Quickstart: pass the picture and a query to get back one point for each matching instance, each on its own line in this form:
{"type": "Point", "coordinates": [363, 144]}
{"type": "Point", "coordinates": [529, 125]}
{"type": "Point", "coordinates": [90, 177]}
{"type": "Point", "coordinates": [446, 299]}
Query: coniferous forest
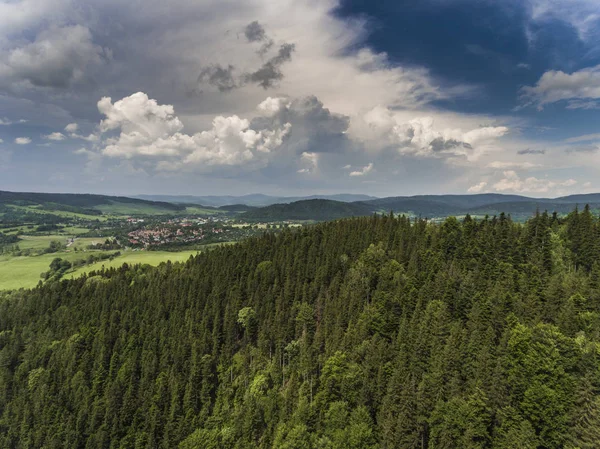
{"type": "Point", "coordinates": [367, 333]}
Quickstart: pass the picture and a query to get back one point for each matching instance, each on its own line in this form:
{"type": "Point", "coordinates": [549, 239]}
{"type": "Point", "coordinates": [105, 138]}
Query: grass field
{"type": "Point", "coordinates": [59, 213]}
{"type": "Point", "coordinates": [17, 272]}
{"type": "Point", "coordinates": [201, 211]}
{"type": "Point", "coordinates": [135, 257]}
{"type": "Point", "coordinates": [24, 272]}
{"type": "Point", "coordinates": [74, 230]}
{"type": "Point", "coordinates": [132, 209]}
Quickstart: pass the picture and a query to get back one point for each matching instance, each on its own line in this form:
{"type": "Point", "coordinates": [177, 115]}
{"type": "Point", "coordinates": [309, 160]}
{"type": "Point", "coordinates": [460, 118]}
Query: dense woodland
{"type": "Point", "coordinates": [365, 333]}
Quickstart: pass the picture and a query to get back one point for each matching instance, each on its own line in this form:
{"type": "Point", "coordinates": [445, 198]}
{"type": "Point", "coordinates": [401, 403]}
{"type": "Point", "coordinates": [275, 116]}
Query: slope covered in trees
{"type": "Point", "coordinates": [317, 209]}
{"type": "Point", "coordinates": [372, 332]}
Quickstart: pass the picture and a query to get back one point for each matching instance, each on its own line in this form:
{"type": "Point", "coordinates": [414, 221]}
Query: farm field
{"type": "Point", "coordinates": [132, 258]}
{"type": "Point", "coordinates": [24, 272]}
{"type": "Point", "coordinates": [59, 213]}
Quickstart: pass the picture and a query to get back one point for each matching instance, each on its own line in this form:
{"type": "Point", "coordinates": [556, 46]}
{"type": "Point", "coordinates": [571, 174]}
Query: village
{"type": "Point", "coordinates": [163, 235]}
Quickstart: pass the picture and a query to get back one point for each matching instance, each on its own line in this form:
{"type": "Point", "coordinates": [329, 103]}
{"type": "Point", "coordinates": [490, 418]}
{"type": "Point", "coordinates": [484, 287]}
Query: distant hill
{"type": "Point", "coordinates": [86, 204]}
{"type": "Point", "coordinates": [258, 207]}
{"type": "Point", "coordinates": [237, 208]}
{"type": "Point", "coordinates": [317, 209]}
{"type": "Point", "coordinates": [453, 201]}
{"type": "Point", "coordinates": [256, 199]}
{"type": "Point", "coordinates": [427, 206]}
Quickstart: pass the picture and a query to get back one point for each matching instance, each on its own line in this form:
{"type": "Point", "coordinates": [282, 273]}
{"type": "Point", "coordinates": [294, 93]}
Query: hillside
{"type": "Point", "coordinates": [84, 204]}
{"type": "Point", "coordinates": [362, 333]}
{"type": "Point", "coordinates": [317, 209]}
{"type": "Point", "coordinates": [455, 202]}
{"type": "Point", "coordinates": [255, 200]}
{"type": "Point", "coordinates": [427, 206]}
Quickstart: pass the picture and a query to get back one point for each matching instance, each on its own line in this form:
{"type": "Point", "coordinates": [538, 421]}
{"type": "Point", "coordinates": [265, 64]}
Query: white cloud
{"type": "Point", "coordinates": [478, 188]}
{"type": "Point", "coordinates": [72, 127]}
{"type": "Point", "coordinates": [147, 129]}
{"type": "Point", "coordinates": [271, 106]}
{"type": "Point", "coordinates": [512, 182]}
{"type": "Point", "coordinates": [583, 104]}
{"type": "Point", "coordinates": [363, 171]}
{"type": "Point", "coordinates": [502, 165]}
{"type": "Point", "coordinates": [556, 85]}
{"type": "Point", "coordinates": [382, 128]}
{"type": "Point", "coordinates": [583, 15]}
{"type": "Point", "coordinates": [22, 140]}
{"type": "Point", "coordinates": [56, 136]}
{"type": "Point", "coordinates": [310, 161]}
{"type": "Point", "coordinates": [584, 138]}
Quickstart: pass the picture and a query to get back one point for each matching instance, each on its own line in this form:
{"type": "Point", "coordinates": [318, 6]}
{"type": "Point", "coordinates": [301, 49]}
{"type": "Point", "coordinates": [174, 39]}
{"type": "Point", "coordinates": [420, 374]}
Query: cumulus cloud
{"type": "Point", "coordinates": [311, 119]}
{"type": "Point", "coordinates": [512, 182]}
{"type": "Point", "coordinates": [56, 136]}
{"type": "Point", "coordinates": [478, 188]}
{"type": "Point", "coordinates": [556, 85]}
{"type": "Point", "coordinates": [59, 57]}
{"type": "Point", "coordinates": [22, 140]}
{"type": "Point", "coordinates": [310, 162]}
{"type": "Point", "coordinates": [71, 127]}
{"type": "Point", "coordinates": [150, 130]}
{"type": "Point", "coordinates": [363, 171]}
{"type": "Point", "coordinates": [420, 136]}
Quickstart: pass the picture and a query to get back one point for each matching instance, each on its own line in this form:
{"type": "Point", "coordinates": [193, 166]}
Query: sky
{"type": "Point", "coordinates": [299, 97]}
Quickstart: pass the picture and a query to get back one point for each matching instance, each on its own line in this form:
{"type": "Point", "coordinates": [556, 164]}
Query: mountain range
{"type": "Point", "coordinates": [258, 207]}
{"type": "Point", "coordinates": [430, 206]}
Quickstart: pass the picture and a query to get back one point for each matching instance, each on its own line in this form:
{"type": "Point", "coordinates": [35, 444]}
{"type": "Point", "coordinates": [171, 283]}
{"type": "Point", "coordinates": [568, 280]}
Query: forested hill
{"type": "Point", "coordinates": [371, 332]}
{"type": "Point", "coordinates": [519, 207]}
{"type": "Point", "coordinates": [317, 209]}
{"type": "Point", "coordinates": [82, 203]}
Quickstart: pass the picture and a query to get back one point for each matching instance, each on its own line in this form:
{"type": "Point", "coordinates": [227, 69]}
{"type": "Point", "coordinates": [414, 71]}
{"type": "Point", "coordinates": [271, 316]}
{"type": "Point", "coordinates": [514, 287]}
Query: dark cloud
{"type": "Point", "coordinates": [270, 72]}
{"type": "Point", "coordinates": [531, 151]}
{"type": "Point", "coordinates": [266, 76]}
{"type": "Point", "coordinates": [220, 77]}
{"type": "Point", "coordinates": [255, 32]}
{"type": "Point", "coordinates": [57, 58]}
{"type": "Point", "coordinates": [439, 144]}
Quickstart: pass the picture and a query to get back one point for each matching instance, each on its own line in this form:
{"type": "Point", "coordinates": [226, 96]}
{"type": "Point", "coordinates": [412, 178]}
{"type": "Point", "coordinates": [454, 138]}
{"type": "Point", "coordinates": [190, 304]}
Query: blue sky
{"type": "Point", "coordinates": [300, 97]}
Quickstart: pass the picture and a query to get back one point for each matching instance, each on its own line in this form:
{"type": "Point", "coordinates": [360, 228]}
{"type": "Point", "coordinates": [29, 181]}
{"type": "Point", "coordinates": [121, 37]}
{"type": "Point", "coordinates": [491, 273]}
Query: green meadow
{"type": "Point", "coordinates": [24, 272]}
{"type": "Point", "coordinates": [133, 258]}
